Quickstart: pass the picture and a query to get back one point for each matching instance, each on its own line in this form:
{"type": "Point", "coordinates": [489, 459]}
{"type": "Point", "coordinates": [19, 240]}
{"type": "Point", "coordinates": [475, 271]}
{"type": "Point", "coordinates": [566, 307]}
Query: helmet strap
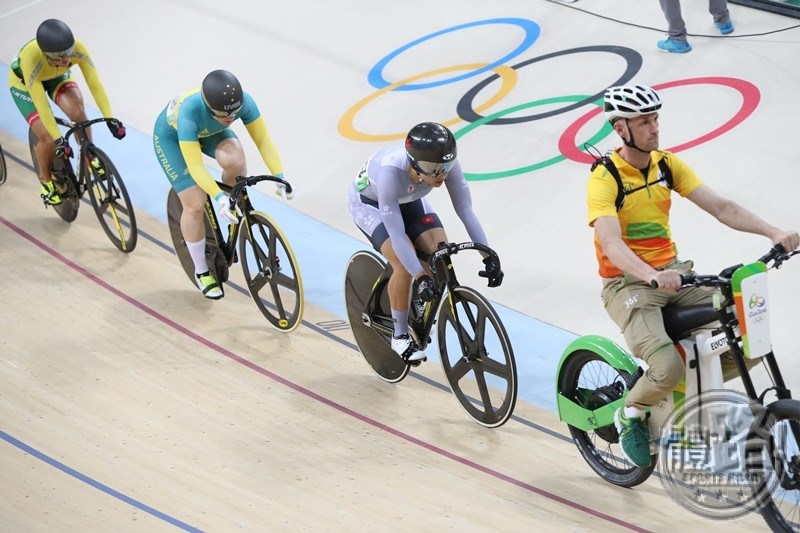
{"type": "Point", "coordinates": [632, 142]}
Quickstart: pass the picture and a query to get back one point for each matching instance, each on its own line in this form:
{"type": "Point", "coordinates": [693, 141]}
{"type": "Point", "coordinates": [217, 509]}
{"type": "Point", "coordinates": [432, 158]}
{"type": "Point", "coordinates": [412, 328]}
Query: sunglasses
{"type": "Point", "coordinates": [60, 56]}
{"type": "Point", "coordinates": [224, 114]}
{"type": "Point", "coordinates": [432, 169]}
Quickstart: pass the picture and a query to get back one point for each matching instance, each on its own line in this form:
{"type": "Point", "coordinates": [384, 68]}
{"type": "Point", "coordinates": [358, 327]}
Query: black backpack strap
{"type": "Point", "coordinates": [666, 172]}
{"type": "Point", "coordinates": [612, 169]}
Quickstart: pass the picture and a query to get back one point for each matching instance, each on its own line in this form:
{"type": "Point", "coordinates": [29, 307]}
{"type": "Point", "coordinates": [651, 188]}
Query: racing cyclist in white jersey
{"type": "Point", "coordinates": [387, 203]}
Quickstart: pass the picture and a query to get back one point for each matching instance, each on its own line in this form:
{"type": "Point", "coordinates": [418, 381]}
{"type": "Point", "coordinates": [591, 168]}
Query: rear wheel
{"type": "Point", "coordinates": [64, 179]}
{"type": "Point", "coordinates": [363, 271]}
{"type": "Point", "coordinates": [271, 271]}
{"type": "Point", "coordinates": [477, 358]}
{"type": "Point", "coordinates": [110, 200]}
{"type": "Point", "coordinates": [216, 259]}
{"type": "Point", "coordinates": [591, 382]}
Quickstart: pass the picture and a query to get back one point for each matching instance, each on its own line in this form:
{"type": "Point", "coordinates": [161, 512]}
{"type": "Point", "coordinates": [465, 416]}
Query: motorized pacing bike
{"type": "Point", "coordinates": [96, 174]}
{"type": "Point", "coordinates": [595, 374]}
{"type": "Point", "coordinates": [474, 348]}
{"type": "Point", "coordinates": [270, 267]}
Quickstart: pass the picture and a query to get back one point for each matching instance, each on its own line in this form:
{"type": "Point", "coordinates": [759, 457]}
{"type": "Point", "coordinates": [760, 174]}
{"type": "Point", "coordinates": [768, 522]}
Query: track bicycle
{"type": "Point", "coordinates": [595, 374]}
{"type": "Point", "coordinates": [96, 174]}
{"type": "Point", "coordinates": [474, 348]}
{"type": "Point", "coordinates": [268, 262]}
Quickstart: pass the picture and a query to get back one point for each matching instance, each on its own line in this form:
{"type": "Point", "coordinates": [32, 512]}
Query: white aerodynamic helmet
{"type": "Point", "coordinates": [630, 101]}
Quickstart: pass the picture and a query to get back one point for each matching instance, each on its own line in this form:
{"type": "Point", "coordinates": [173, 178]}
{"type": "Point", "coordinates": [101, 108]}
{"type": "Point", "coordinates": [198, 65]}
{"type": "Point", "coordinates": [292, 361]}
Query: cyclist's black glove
{"type": "Point", "coordinates": [116, 128]}
{"type": "Point", "coordinates": [492, 271]}
{"type": "Point", "coordinates": [63, 148]}
{"type": "Point", "coordinates": [424, 288]}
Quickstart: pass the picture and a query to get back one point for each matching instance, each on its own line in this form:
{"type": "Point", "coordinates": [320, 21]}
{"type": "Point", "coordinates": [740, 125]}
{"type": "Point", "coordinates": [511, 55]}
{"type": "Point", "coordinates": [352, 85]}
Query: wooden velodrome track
{"type": "Point", "coordinates": [129, 403]}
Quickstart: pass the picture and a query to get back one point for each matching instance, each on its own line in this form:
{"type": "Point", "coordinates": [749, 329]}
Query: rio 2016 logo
{"type": "Point", "coordinates": [757, 301]}
{"type": "Point", "coordinates": [567, 146]}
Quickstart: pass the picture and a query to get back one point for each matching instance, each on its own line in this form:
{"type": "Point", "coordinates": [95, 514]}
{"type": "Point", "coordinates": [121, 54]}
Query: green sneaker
{"type": "Point", "coordinates": [209, 286]}
{"type": "Point", "coordinates": [634, 438]}
{"type": "Point", "coordinates": [49, 193]}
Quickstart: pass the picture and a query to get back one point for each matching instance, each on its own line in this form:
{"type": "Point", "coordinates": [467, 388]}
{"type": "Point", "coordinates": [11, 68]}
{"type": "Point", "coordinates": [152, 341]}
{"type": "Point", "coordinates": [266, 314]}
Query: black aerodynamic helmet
{"type": "Point", "coordinates": [55, 38]}
{"type": "Point", "coordinates": [222, 93]}
{"type": "Point", "coordinates": [431, 149]}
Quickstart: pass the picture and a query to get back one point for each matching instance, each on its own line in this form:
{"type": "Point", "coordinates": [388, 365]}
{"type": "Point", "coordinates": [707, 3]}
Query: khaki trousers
{"type": "Point", "coordinates": [636, 308]}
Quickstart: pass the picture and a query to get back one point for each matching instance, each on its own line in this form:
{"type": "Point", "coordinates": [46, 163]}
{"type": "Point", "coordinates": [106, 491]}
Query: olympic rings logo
{"type": "Point", "coordinates": [568, 145]}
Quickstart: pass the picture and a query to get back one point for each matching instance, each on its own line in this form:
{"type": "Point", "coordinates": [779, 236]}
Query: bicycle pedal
{"type": "Point", "coordinates": [416, 363]}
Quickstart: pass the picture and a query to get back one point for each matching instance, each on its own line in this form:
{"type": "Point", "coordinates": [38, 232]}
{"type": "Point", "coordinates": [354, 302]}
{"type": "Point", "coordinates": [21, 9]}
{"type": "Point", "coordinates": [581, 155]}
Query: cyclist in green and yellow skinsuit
{"type": "Point", "coordinates": [196, 123]}
{"type": "Point", "coordinates": [42, 68]}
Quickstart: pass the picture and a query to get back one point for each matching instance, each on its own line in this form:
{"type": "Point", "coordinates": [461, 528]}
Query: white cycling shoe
{"type": "Point", "coordinates": [407, 349]}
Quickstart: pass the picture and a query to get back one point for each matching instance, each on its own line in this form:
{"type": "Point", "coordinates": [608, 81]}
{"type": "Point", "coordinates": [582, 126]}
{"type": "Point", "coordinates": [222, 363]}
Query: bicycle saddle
{"type": "Point", "coordinates": [679, 321]}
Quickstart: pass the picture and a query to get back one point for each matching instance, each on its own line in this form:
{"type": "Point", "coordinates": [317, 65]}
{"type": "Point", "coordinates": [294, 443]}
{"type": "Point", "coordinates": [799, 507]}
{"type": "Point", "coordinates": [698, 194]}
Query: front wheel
{"type": "Point", "coordinates": [776, 465]}
{"type": "Point", "coordinates": [110, 199]}
{"type": "Point", "coordinates": [590, 381]}
{"type": "Point", "coordinates": [271, 271]}
{"type": "Point", "coordinates": [477, 358]}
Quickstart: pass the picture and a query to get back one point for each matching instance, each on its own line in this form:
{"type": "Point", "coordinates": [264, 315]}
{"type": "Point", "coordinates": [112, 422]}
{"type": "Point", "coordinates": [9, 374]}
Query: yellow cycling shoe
{"type": "Point", "coordinates": [49, 194]}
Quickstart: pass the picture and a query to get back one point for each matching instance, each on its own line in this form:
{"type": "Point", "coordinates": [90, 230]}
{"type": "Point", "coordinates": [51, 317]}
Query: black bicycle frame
{"type": "Point", "coordinates": [445, 278]}
{"type": "Point", "coordinates": [240, 198]}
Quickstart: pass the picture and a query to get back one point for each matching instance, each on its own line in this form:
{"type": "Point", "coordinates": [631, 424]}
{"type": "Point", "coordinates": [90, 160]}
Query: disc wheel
{"type": "Point", "coordinates": [477, 357]}
{"type": "Point", "coordinates": [64, 178]}
{"type": "Point", "coordinates": [271, 271]}
{"type": "Point", "coordinates": [110, 200]}
{"type": "Point", "coordinates": [215, 257]}
{"type": "Point", "coordinates": [590, 381]}
{"type": "Point", "coordinates": [363, 270]}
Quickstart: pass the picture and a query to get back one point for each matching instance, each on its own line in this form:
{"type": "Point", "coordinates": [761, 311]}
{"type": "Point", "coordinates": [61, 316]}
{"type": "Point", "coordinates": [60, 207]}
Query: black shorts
{"type": "Point", "coordinates": [415, 220]}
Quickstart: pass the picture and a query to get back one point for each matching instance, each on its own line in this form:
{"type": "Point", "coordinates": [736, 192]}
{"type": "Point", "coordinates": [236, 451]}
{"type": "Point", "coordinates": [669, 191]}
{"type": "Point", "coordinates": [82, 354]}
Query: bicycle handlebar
{"type": "Point", "coordinates": [449, 248]}
{"type": "Point", "coordinates": [248, 181]}
{"type": "Point", "coordinates": [75, 126]}
{"type": "Point", "coordinates": [776, 254]}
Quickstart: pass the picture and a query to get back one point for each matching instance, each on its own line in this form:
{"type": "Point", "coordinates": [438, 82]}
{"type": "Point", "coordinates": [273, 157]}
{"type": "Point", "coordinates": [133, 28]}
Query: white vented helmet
{"type": "Point", "coordinates": [630, 101]}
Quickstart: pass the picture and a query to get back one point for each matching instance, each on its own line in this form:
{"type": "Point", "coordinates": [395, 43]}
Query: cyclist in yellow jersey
{"type": "Point", "coordinates": [196, 123]}
{"type": "Point", "coordinates": [634, 247]}
{"type": "Point", "coordinates": [42, 68]}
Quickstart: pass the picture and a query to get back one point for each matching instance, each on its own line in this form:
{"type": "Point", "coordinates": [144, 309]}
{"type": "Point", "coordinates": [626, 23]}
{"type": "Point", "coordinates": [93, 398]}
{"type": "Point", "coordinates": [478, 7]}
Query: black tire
{"type": "Point", "coordinates": [216, 259]}
{"type": "Point", "coordinates": [3, 168]}
{"type": "Point", "coordinates": [110, 200]}
{"type": "Point", "coordinates": [591, 381]}
{"type": "Point", "coordinates": [64, 177]}
{"type": "Point", "coordinates": [477, 357]}
{"type": "Point", "coordinates": [779, 488]}
{"type": "Point", "coordinates": [363, 270]}
{"type": "Point", "coordinates": [271, 271]}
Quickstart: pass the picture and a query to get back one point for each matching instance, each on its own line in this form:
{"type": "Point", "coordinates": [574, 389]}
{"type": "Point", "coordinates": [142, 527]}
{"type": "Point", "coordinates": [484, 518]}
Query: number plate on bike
{"type": "Point", "coordinates": [749, 284]}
